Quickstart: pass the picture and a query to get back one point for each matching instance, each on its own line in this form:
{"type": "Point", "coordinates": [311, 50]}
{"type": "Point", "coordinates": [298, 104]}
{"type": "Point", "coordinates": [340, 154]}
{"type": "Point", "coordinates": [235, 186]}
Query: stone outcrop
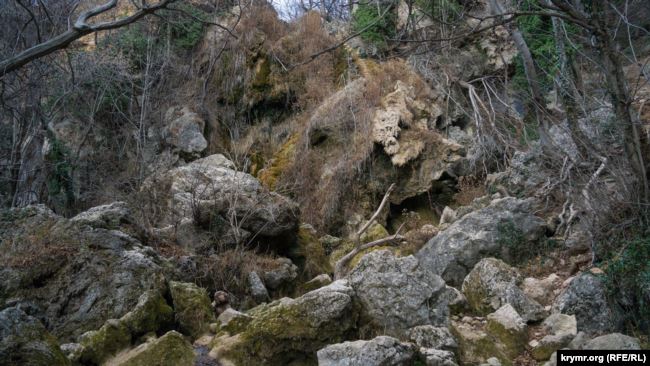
{"type": "Point", "coordinates": [184, 130]}
{"type": "Point", "coordinates": [382, 350]}
{"type": "Point", "coordinates": [454, 251]}
{"type": "Point", "coordinates": [192, 308]}
{"type": "Point", "coordinates": [171, 349]}
{"type": "Point", "coordinates": [398, 293]}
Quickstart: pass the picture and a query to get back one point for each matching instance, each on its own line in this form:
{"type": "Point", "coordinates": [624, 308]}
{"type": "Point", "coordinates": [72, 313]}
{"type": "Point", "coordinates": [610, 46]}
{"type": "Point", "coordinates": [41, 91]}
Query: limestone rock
{"type": "Point", "coordinates": [233, 321]}
{"type": "Point", "coordinates": [316, 282]}
{"type": "Point", "coordinates": [615, 341]}
{"type": "Point", "coordinates": [25, 341]}
{"type": "Point", "coordinates": [108, 216]}
{"type": "Point", "coordinates": [428, 336]}
{"type": "Point", "coordinates": [192, 308]}
{"type": "Point", "coordinates": [436, 357]}
{"type": "Point", "coordinates": [492, 284]}
{"type": "Point", "coordinates": [474, 344]}
{"type": "Point", "coordinates": [381, 350]}
{"type": "Point", "coordinates": [184, 130]}
{"type": "Point", "coordinates": [150, 314]}
{"type": "Point", "coordinates": [509, 329]}
{"type": "Point", "coordinates": [585, 297]}
{"type": "Point", "coordinates": [169, 350]}
{"type": "Point", "coordinates": [541, 290]}
{"type": "Point", "coordinates": [99, 345]}
{"type": "Point", "coordinates": [455, 250]}
{"type": "Point", "coordinates": [257, 289]}
{"type": "Point", "coordinates": [290, 329]}
{"type": "Point", "coordinates": [397, 293]}
{"type": "Point", "coordinates": [285, 273]}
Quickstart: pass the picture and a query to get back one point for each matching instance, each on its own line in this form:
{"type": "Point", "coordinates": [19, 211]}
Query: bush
{"type": "Point", "coordinates": [383, 27]}
{"type": "Point", "coordinates": [628, 281]}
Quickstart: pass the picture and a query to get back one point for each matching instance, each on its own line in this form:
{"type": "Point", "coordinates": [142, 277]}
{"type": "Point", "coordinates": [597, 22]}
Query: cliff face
{"type": "Point", "coordinates": [276, 192]}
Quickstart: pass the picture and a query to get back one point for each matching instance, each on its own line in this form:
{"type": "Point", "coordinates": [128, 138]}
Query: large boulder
{"type": "Point", "coordinates": [396, 293]}
{"type": "Point", "coordinates": [194, 313]}
{"type": "Point", "coordinates": [508, 329]}
{"type": "Point", "coordinates": [290, 330]}
{"type": "Point", "coordinates": [25, 341]}
{"type": "Point", "coordinates": [560, 329]}
{"type": "Point", "coordinates": [383, 350]}
{"type": "Point", "coordinates": [169, 350]}
{"type": "Point", "coordinates": [73, 276]}
{"type": "Point", "coordinates": [454, 251]}
{"type": "Point", "coordinates": [108, 216]}
{"type": "Point", "coordinates": [616, 341]}
{"type": "Point", "coordinates": [492, 283]}
{"type": "Point", "coordinates": [586, 298]}
{"type": "Point", "coordinates": [209, 192]}
{"type": "Point", "coordinates": [184, 130]}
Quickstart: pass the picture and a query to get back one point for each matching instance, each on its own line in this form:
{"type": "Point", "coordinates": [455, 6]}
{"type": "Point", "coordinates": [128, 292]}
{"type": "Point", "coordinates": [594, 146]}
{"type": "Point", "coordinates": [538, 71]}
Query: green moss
{"type": "Point", "coordinates": [150, 314]}
{"type": "Point", "coordinates": [101, 344]}
{"type": "Point", "coordinates": [169, 350]}
{"type": "Point", "coordinates": [280, 162]}
{"type": "Point", "coordinates": [309, 254]}
{"type": "Point", "coordinates": [192, 307]}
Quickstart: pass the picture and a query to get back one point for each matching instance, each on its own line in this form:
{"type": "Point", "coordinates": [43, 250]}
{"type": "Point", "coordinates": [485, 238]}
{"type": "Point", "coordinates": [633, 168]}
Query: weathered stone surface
{"type": "Point", "coordinates": [317, 282]}
{"type": "Point", "coordinates": [454, 251]}
{"type": "Point", "coordinates": [616, 341]}
{"type": "Point", "coordinates": [285, 273]}
{"type": "Point", "coordinates": [397, 293]}
{"type": "Point", "coordinates": [25, 341]}
{"type": "Point", "coordinates": [436, 357]}
{"type": "Point", "coordinates": [184, 130]}
{"type": "Point", "coordinates": [169, 350]}
{"type": "Point", "coordinates": [108, 216]}
{"type": "Point", "coordinates": [233, 321]}
{"type": "Point", "coordinates": [541, 290]}
{"type": "Point", "coordinates": [474, 344]}
{"type": "Point", "coordinates": [257, 289]}
{"type": "Point", "coordinates": [492, 283]}
{"type": "Point", "coordinates": [508, 329]}
{"type": "Point", "coordinates": [150, 314]}
{"type": "Point", "coordinates": [79, 276]}
{"type": "Point", "coordinates": [99, 345]}
{"type": "Point", "coordinates": [211, 189]}
{"type": "Point", "coordinates": [383, 350]}
{"type": "Point", "coordinates": [585, 298]}
{"type": "Point", "coordinates": [428, 336]}
{"type": "Point", "coordinates": [290, 330]}
{"type": "Point", "coordinates": [192, 308]}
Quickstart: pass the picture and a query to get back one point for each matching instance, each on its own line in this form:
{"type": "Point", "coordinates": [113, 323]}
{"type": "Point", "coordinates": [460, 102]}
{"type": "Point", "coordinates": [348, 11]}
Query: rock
{"type": "Point", "coordinates": [492, 361]}
{"type": "Point", "coordinates": [436, 357]}
{"type": "Point", "coordinates": [290, 329]}
{"type": "Point", "coordinates": [106, 216]}
{"type": "Point", "coordinates": [184, 130]}
{"type": "Point", "coordinates": [455, 250]}
{"type": "Point", "coordinates": [316, 282]}
{"type": "Point", "coordinates": [99, 345]}
{"type": "Point", "coordinates": [285, 273]}
{"type": "Point", "coordinates": [192, 307]}
{"type": "Point", "coordinates": [209, 190]}
{"type": "Point", "coordinates": [382, 350]}
{"type": "Point", "coordinates": [397, 293]}
{"type": "Point", "coordinates": [257, 289]}
{"type": "Point", "coordinates": [169, 350]}
{"type": "Point", "coordinates": [150, 314]}
{"type": "Point", "coordinates": [613, 341]}
{"type": "Point", "coordinates": [448, 216]}
{"type": "Point", "coordinates": [428, 336]}
{"type": "Point", "coordinates": [585, 297]}
{"type": "Point", "coordinates": [561, 329]}
{"type": "Point", "coordinates": [232, 321]}
{"type": "Point", "coordinates": [474, 344]}
{"type": "Point", "coordinates": [80, 277]}
{"type": "Point", "coordinates": [541, 290]}
{"type": "Point", "coordinates": [72, 351]}
{"type": "Point", "coordinates": [456, 300]}
{"type": "Point", "coordinates": [492, 284]}
{"type": "Point", "coordinates": [25, 341]}
{"type": "Point", "coordinates": [509, 329]}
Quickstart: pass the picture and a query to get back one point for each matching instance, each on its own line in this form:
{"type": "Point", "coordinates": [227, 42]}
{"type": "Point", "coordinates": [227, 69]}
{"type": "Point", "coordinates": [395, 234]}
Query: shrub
{"type": "Point", "coordinates": [628, 281]}
{"type": "Point", "coordinates": [383, 27]}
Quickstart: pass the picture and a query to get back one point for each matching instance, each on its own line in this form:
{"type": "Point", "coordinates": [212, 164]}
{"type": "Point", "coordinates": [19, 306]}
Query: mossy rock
{"type": "Point", "coordinates": [150, 314]}
{"type": "Point", "coordinates": [192, 308]}
{"type": "Point", "coordinates": [169, 350]}
{"type": "Point", "coordinates": [309, 254]}
{"type": "Point", "coordinates": [475, 346]}
{"type": "Point", "coordinates": [280, 163]}
{"type": "Point", "coordinates": [99, 345]}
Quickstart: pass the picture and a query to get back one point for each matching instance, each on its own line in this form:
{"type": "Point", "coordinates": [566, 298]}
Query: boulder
{"type": "Point", "coordinates": [25, 341]}
{"type": "Point", "coordinates": [509, 330]}
{"type": "Point", "coordinates": [396, 293]}
{"type": "Point", "coordinates": [436, 357]}
{"type": "Point", "coordinates": [541, 290]}
{"type": "Point", "coordinates": [108, 216]}
{"type": "Point", "coordinates": [211, 193]}
{"type": "Point", "coordinates": [290, 330]}
{"type": "Point", "coordinates": [192, 308]}
{"type": "Point", "coordinates": [615, 341]}
{"type": "Point", "coordinates": [169, 350]}
{"type": "Point", "coordinates": [233, 321]}
{"type": "Point", "coordinates": [454, 251]}
{"type": "Point", "coordinates": [428, 336]}
{"type": "Point", "coordinates": [475, 345]}
{"type": "Point", "coordinates": [585, 297]}
{"type": "Point", "coordinates": [74, 276]}
{"type": "Point", "coordinates": [150, 314]}
{"type": "Point", "coordinates": [184, 130]}
{"type": "Point", "coordinates": [257, 289]}
{"type": "Point", "coordinates": [316, 282]}
{"type": "Point", "coordinates": [99, 345]}
{"type": "Point", "coordinates": [285, 273]}
{"type": "Point", "coordinates": [383, 350]}
{"type": "Point", "coordinates": [492, 283]}
{"type": "Point", "coordinates": [560, 329]}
